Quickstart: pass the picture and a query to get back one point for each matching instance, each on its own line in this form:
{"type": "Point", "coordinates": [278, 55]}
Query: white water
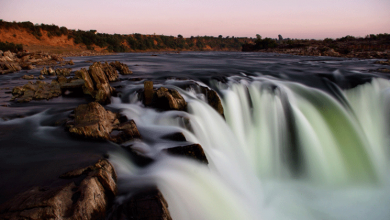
{"type": "Point", "coordinates": [342, 148]}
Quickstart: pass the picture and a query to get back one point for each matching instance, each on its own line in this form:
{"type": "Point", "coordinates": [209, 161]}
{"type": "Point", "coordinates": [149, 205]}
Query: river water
{"type": "Point", "coordinates": [302, 137]}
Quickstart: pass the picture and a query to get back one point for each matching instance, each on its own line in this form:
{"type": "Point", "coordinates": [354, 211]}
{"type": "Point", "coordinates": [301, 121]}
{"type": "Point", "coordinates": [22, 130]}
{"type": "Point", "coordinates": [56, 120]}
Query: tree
{"type": "Point", "coordinates": [179, 36]}
{"type": "Point", "coordinates": [258, 36]}
{"type": "Point", "coordinates": [220, 36]}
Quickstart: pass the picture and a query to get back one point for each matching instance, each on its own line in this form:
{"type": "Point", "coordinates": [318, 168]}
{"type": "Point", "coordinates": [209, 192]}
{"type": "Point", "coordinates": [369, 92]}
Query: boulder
{"type": "Point", "coordinates": [29, 77]}
{"type": "Point", "coordinates": [148, 204]}
{"type": "Point", "coordinates": [169, 99]}
{"type": "Point", "coordinates": [103, 88]}
{"type": "Point", "coordinates": [36, 91]}
{"type": "Point", "coordinates": [214, 101]}
{"type": "Point", "coordinates": [88, 198]}
{"type": "Point", "coordinates": [9, 68]}
{"type": "Point", "coordinates": [121, 67]}
{"type": "Point", "coordinates": [194, 151]}
{"type": "Point", "coordinates": [63, 71]}
{"type": "Point", "coordinates": [93, 121]}
{"type": "Point", "coordinates": [148, 93]}
{"type": "Point", "coordinates": [41, 77]}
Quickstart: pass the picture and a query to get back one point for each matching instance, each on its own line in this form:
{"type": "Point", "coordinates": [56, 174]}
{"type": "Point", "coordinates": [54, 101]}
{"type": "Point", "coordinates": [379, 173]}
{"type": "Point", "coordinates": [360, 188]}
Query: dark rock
{"type": "Point", "coordinates": [148, 205]}
{"type": "Point", "coordinates": [169, 99]}
{"type": "Point", "coordinates": [214, 101]}
{"type": "Point", "coordinates": [178, 136]}
{"type": "Point", "coordinates": [194, 151]}
{"type": "Point", "coordinates": [88, 200]}
{"type": "Point", "coordinates": [121, 67]}
{"type": "Point", "coordinates": [124, 132]}
{"type": "Point", "coordinates": [387, 62]}
{"type": "Point", "coordinates": [41, 77]}
{"type": "Point", "coordinates": [9, 68]}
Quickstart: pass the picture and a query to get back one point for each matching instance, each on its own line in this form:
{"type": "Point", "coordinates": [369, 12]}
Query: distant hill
{"type": "Point", "coordinates": [51, 38]}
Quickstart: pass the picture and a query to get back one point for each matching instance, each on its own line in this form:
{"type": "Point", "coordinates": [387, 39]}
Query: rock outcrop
{"type": "Point", "coordinates": [103, 90]}
{"type": "Point", "coordinates": [94, 121]}
{"type": "Point", "coordinates": [121, 67]}
{"type": "Point", "coordinates": [36, 91]}
{"type": "Point", "coordinates": [194, 151]}
{"type": "Point", "coordinates": [213, 100]}
{"type": "Point", "coordinates": [87, 198]}
{"type": "Point", "coordinates": [149, 204]}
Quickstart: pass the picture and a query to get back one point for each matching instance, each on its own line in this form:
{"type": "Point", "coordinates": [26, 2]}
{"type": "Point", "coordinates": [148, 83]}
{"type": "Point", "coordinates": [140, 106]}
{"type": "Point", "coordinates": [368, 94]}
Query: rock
{"type": "Point", "coordinates": [9, 68]}
{"type": "Point", "coordinates": [93, 121]}
{"type": "Point", "coordinates": [27, 66]}
{"type": "Point", "coordinates": [110, 72]}
{"type": "Point", "coordinates": [169, 99]}
{"type": "Point", "coordinates": [63, 71]}
{"type": "Point", "coordinates": [44, 71]}
{"type": "Point", "coordinates": [9, 54]}
{"type": "Point", "coordinates": [214, 101]}
{"type": "Point", "coordinates": [194, 151]}
{"type": "Point", "coordinates": [41, 77]}
{"type": "Point", "coordinates": [29, 77]}
{"type": "Point", "coordinates": [148, 204]}
{"type": "Point", "coordinates": [1, 53]}
{"type": "Point", "coordinates": [88, 87]}
{"type": "Point", "coordinates": [104, 90]}
{"type": "Point", "coordinates": [121, 67]}
{"type": "Point", "coordinates": [90, 199]}
{"type": "Point", "coordinates": [387, 62]}
{"type": "Point", "coordinates": [148, 93]}
{"type": "Point", "coordinates": [178, 136]}
{"type": "Point", "coordinates": [50, 71]}
{"type": "Point", "coordinates": [124, 132]}
{"type": "Point", "coordinates": [36, 91]}
{"type": "Point", "coordinates": [383, 70]}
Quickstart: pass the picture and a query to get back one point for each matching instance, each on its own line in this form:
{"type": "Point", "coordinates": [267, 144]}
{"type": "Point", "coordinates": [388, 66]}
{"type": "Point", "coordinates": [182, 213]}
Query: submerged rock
{"type": "Point", "coordinates": [29, 77]}
{"type": "Point", "coordinates": [63, 71]}
{"type": "Point", "coordinates": [87, 198]}
{"type": "Point", "coordinates": [194, 151]}
{"type": "Point", "coordinates": [149, 204]}
{"type": "Point", "coordinates": [36, 91]}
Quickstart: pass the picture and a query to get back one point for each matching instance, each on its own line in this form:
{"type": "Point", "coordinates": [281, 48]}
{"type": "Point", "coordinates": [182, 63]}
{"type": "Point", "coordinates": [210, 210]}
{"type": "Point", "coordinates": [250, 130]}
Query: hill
{"type": "Point", "coordinates": [54, 39]}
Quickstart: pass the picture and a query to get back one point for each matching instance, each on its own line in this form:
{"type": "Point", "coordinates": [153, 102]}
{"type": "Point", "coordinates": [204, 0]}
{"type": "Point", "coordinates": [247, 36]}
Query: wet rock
{"type": "Point", "coordinates": [93, 121]}
{"type": "Point", "coordinates": [149, 204]}
{"type": "Point", "coordinates": [194, 151]}
{"type": "Point", "coordinates": [178, 136]}
{"type": "Point", "coordinates": [383, 70]}
{"type": "Point", "coordinates": [29, 77]}
{"type": "Point", "coordinates": [88, 200]}
{"type": "Point", "coordinates": [121, 67]}
{"type": "Point", "coordinates": [41, 77]}
{"type": "Point", "coordinates": [27, 66]}
{"type": "Point", "coordinates": [50, 71]}
{"type": "Point", "coordinates": [169, 99]}
{"type": "Point", "coordinates": [63, 71]}
{"type": "Point", "coordinates": [124, 132]}
{"type": "Point", "coordinates": [214, 101]}
{"type": "Point", "coordinates": [36, 91]}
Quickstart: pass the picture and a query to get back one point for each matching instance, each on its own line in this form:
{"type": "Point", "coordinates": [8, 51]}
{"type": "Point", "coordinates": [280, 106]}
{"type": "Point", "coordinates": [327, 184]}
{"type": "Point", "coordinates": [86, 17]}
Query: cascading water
{"type": "Point", "coordinates": [285, 151]}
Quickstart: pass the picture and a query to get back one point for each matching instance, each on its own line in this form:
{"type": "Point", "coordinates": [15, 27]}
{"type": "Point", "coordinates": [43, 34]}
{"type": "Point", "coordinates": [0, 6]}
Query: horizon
{"type": "Point", "coordinates": [302, 19]}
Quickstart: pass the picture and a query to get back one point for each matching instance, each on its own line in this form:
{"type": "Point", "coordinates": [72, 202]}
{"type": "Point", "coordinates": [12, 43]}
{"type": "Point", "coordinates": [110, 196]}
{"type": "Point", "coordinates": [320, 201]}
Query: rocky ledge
{"type": "Point", "coordinates": [13, 62]}
{"type": "Point", "coordinates": [89, 196]}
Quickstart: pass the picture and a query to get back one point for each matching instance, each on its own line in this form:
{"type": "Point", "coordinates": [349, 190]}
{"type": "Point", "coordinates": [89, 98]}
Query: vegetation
{"type": "Point", "coordinates": [11, 47]}
{"type": "Point", "coordinates": [132, 42]}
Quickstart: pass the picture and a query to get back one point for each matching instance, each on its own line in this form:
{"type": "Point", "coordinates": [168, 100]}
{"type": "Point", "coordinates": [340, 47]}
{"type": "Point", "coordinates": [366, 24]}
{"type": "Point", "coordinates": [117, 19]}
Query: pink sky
{"type": "Point", "coordinates": [240, 18]}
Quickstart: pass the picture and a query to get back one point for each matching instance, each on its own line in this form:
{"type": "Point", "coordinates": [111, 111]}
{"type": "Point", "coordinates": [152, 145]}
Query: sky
{"type": "Point", "coordinates": [304, 19]}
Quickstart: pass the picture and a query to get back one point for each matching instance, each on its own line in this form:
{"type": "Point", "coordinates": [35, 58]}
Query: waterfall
{"type": "Point", "coordinates": [284, 151]}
